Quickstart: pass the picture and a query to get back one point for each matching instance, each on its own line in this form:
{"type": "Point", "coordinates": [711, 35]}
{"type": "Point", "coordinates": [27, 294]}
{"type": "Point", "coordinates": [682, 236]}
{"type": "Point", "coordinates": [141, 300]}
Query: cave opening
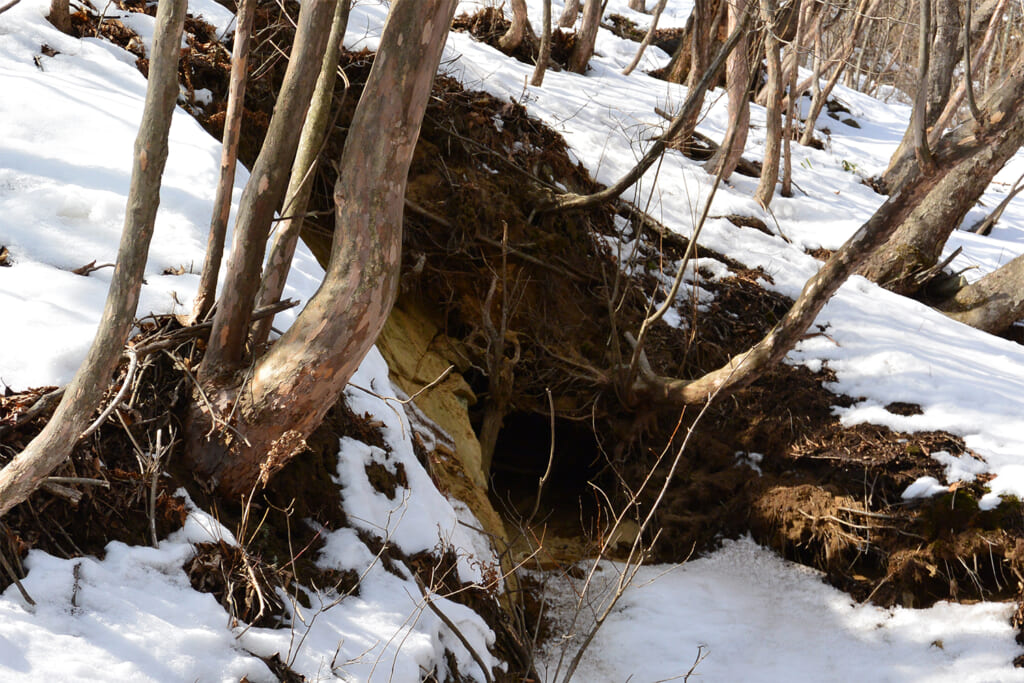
{"type": "Point", "coordinates": [569, 506]}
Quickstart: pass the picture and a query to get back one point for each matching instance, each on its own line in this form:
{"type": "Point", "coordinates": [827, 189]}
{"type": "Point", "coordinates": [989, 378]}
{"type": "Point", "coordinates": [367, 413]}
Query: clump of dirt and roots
{"type": "Point", "coordinates": [537, 306]}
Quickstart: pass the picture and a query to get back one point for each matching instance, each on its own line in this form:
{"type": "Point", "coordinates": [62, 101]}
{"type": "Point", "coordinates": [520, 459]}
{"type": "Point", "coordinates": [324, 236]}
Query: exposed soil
{"type": "Point", "coordinates": [536, 303]}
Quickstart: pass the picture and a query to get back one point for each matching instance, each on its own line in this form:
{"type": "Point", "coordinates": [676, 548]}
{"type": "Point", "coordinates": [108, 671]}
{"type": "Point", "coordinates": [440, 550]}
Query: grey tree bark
{"type": "Point", "coordinates": [773, 126]}
{"type": "Point", "coordinates": [296, 382]}
{"type": "Point", "coordinates": [300, 182]}
{"type": "Point", "coordinates": [207, 291]}
{"type": "Point", "coordinates": [264, 191]}
{"type": "Point", "coordinates": [85, 392]}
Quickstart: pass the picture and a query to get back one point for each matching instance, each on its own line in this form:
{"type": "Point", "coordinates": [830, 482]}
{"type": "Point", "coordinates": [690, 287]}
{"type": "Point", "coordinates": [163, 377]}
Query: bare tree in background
{"type": "Point", "coordinates": [518, 30]}
{"type": "Point", "coordinates": [737, 84]}
{"type": "Point", "coordinates": [586, 37]}
{"type": "Point", "coordinates": [773, 116]}
{"type": "Point", "coordinates": [544, 52]}
{"type": "Point", "coordinates": [570, 11]}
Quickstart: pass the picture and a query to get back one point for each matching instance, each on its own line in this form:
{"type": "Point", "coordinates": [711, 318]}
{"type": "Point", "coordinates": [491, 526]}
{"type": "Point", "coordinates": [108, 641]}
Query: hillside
{"type": "Point", "coordinates": [853, 514]}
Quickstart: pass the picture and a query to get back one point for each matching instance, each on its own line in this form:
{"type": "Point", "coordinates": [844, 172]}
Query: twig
{"type": "Point", "coordinates": [3, 560]}
{"type": "Point", "coordinates": [3, 9]}
{"type": "Point", "coordinates": [90, 267]}
{"type": "Point", "coordinates": [85, 481]}
{"type": "Point", "coordinates": [551, 459]}
{"type": "Point", "coordinates": [71, 495]}
{"type": "Point", "coordinates": [133, 363]}
{"type": "Point", "coordinates": [455, 629]}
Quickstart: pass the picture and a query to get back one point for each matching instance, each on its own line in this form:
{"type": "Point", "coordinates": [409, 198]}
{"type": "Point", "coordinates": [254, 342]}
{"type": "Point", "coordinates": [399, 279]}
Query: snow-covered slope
{"type": "Point", "coordinates": [67, 124]}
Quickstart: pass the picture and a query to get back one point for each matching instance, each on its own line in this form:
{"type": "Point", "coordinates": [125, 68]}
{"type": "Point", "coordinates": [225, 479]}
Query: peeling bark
{"type": "Point", "coordinates": [264, 191]}
{"type": "Point", "coordinates": [300, 183]}
{"type": "Point", "coordinates": [304, 373]}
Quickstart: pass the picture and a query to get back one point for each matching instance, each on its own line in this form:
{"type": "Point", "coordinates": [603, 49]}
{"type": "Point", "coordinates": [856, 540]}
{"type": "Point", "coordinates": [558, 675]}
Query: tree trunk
{"type": "Point", "coordinates": [228, 162]}
{"type": "Point", "coordinates": [737, 84]}
{"type": "Point", "coordinates": [60, 15]}
{"type": "Point", "coordinates": [264, 191]}
{"type": "Point", "coordinates": [305, 371]}
{"type": "Point", "coordinates": [544, 53]}
{"type": "Point", "coordinates": [838, 61]}
{"type": "Point", "coordinates": [51, 447]}
{"type": "Point", "coordinates": [787, 136]}
{"type": "Point", "coordinates": [586, 37]}
{"type": "Point", "coordinates": [743, 369]}
{"type": "Point", "coordinates": [675, 131]}
{"type": "Point", "coordinates": [977, 57]}
{"type": "Point", "coordinates": [694, 51]}
{"type": "Point", "coordinates": [638, 5]}
{"type": "Point", "coordinates": [518, 30]}
{"type": "Point", "coordinates": [648, 37]}
{"type": "Point", "coordinates": [773, 126]}
{"type": "Point", "coordinates": [300, 183]}
{"type": "Point", "coordinates": [917, 244]}
{"type": "Point", "coordinates": [943, 56]}
{"type": "Point", "coordinates": [993, 303]}
{"type": "Point", "coordinates": [569, 13]}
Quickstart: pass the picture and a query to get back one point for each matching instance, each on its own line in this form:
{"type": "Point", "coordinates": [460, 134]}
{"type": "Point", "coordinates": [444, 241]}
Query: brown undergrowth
{"type": "Point", "coordinates": [549, 295]}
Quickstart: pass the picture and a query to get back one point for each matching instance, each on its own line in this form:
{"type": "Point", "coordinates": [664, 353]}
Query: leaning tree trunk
{"type": "Point", "coordinates": [741, 370]}
{"type": "Point", "coordinates": [305, 371]}
{"type": "Point", "coordinates": [917, 244]}
{"type": "Point", "coordinates": [993, 303]}
{"type": "Point", "coordinates": [51, 447]}
{"type": "Point", "coordinates": [586, 37]}
{"type": "Point", "coordinates": [648, 37]}
{"type": "Point", "coordinates": [264, 191]}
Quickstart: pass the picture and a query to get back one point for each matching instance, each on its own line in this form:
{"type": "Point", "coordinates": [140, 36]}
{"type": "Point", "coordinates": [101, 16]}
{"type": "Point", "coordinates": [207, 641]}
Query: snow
{"type": "Point", "coordinates": [755, 617]}
{"type": "Point", "coordinates": [67, 125]}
